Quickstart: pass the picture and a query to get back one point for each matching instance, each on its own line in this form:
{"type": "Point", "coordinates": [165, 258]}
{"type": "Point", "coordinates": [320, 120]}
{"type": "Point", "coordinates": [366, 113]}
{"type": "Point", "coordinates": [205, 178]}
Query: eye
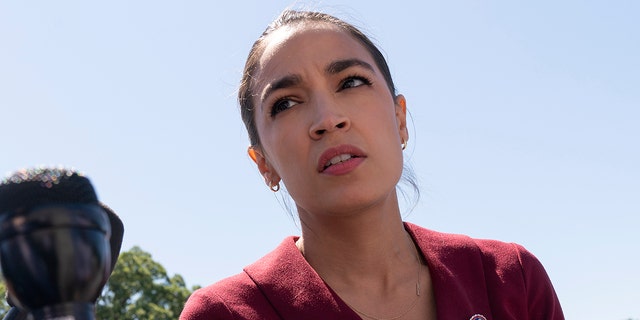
{"type": "Point", "coordinates": [353, 82]}
{"type": "Point", "coordinates": [282, 104]}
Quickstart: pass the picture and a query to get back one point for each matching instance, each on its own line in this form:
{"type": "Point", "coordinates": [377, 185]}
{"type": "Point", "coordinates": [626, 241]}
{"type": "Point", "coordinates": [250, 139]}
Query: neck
{"type": "Point", "coordinates": [350, 250]}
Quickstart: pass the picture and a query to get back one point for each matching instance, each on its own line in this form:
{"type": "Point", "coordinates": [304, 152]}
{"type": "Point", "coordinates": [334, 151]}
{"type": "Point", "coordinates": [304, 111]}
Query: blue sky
{"type": "Point", "coordinates": [525, 126]}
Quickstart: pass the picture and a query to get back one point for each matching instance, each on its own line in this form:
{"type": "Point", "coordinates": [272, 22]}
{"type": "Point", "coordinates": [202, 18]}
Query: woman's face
{"type": "Point", "coordinates": [328, 125]}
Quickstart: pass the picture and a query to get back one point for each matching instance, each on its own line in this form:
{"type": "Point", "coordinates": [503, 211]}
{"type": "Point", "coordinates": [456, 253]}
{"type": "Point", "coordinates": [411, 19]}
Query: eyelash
{"type": "Point", "coordinates": [277, 105]}
{"type": "Point", "coordinates": [365, 81]}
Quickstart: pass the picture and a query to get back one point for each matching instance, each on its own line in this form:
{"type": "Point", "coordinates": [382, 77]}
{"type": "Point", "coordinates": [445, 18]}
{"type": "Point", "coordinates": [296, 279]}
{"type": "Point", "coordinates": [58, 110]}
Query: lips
{"type": "Point", "coordinates": [337, 159]}
{"type": "Point", "coordinates": [340, 159]}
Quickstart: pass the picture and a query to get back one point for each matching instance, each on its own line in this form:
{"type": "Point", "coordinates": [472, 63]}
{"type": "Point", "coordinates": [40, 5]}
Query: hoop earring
{"type": "Point", "coordinates": [404, 144]}
{"type": "Point", "coordinates": [274, 188]}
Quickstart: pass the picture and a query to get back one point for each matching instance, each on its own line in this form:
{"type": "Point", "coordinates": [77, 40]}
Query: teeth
{"type": "Point", "coordinates": [338, 159]}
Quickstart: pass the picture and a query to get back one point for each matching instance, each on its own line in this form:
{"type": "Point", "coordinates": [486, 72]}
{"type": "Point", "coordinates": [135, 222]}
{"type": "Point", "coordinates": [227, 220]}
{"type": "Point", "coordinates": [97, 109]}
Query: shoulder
{"type": "Point", "coordinates": [512, 277]}
{"type": "Point", "coordinates": [218, 301]}
{"type": "Point", "coordinates": [504, 259]}
{"type": "Point", "coordinates": [242, 296]}
{"type": "Point", "coordinates": [236, 297]}
{"type": "Point", "coordinates": [493, 252]}
{"type": "Point", "coordinates": [451, 245]}
{"type": "Point", "coordinates": [519, 275]}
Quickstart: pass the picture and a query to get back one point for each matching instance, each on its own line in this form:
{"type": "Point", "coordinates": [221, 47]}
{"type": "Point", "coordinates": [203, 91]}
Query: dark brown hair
{"type": "Point", "coordinates": [290, 17]}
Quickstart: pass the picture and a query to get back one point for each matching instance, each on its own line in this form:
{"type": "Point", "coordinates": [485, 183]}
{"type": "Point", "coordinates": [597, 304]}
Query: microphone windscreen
{"type": "Point", "coordinates": [29, 188]}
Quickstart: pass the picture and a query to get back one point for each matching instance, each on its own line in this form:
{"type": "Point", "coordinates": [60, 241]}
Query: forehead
{"type": "Point", "coordinates": [292, 48]}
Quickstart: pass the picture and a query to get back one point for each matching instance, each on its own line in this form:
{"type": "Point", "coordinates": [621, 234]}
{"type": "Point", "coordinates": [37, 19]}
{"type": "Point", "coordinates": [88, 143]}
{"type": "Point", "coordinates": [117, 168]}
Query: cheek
{"type": "Point", "coordinates": [285, 144]}
{"type": "Point", "coordinates": [380, 116]}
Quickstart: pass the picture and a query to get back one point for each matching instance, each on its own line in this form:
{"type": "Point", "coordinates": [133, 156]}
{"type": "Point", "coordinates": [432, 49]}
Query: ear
{"type": "Point", "coordinates": [401, 116]}
{"type": "Point", "coordinates": [271, 177]}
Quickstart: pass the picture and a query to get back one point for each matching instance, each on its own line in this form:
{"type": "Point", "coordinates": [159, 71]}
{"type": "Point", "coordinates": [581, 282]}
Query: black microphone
{"type": "Point", "coordinates": [58, 244]}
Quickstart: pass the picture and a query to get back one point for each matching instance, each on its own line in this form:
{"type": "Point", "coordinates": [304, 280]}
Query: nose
{"type": "Point", "coordinates": [329, 118]}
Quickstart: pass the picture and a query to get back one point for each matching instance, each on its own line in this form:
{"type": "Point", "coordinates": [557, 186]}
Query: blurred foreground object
{"type": "Point", "coordinates": [58, 244]}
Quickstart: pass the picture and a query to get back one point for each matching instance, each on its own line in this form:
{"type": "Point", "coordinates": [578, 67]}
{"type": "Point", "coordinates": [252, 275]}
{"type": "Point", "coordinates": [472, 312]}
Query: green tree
{"type": "Point", "coordinates": [4, 306]}
{"type": "Point", "coordinates": [139, 288]}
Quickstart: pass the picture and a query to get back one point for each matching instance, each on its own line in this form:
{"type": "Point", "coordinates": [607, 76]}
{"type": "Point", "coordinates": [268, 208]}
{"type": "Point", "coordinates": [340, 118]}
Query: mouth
{"type": "Point", "coordinates": [339, 157]}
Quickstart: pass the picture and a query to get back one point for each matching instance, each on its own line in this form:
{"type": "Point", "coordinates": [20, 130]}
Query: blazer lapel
{"type": "Point", "coordinates": [457, 274]}
{"type": "Point", "coordinates": [293, 288]}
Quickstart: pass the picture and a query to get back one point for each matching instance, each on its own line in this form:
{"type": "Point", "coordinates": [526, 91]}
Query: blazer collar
{"type": "Point", "coordinates": [294, 288]}
{"type": "Point", "coordinates": [455, 263]}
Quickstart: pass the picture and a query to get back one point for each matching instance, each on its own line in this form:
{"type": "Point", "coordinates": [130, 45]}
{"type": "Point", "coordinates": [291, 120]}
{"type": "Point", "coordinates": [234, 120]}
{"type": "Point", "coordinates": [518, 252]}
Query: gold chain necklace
{"type": "Point", "coordinates": [415, 301]}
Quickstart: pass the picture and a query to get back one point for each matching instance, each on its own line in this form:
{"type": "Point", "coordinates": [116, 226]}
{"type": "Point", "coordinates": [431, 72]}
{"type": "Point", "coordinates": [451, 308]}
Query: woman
{"type": "Point", "coordinates": [324, 119]}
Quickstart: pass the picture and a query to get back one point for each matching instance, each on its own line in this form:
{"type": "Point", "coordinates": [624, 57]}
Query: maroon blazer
{"type": "Point", "coordinates": [498, 280]}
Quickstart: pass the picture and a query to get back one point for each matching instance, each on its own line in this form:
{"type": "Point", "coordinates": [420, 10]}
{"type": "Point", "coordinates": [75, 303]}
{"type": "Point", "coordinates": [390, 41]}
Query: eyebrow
{"type": "Point", "coordinates": [293, 79]}
{"type": "Point", "coordinates": [282, 83]}
{"type": "Point", "coordinates": [341, 65]}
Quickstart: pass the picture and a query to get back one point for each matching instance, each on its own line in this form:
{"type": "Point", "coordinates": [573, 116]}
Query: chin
{"type": "Point", "coordinates": [344, 203]}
